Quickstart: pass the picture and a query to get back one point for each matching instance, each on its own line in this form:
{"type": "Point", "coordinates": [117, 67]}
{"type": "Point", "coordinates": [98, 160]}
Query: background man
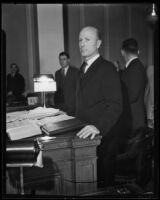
{"type": "Point", "coordinates": [99, 102]}
{"type": "Point", "coordinates": [15, 84]}
{"type": "Point", "coordinates": [134, 78]}
{"type": "Point", "coordinates": [66, 78]}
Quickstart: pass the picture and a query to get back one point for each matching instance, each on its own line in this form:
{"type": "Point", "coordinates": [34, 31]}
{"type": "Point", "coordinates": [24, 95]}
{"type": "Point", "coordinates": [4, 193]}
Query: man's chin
{"type": "Point", "coordinates": [84, 54]}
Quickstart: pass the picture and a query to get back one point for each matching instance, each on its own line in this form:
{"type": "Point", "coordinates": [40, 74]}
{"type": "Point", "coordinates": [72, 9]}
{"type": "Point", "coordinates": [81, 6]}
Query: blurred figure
{"type": "Point", "coordinates": [134, 78]}
{"type": "Point", "coordinates": [118, 66]}
{"type": "Point", "coordinates": [66, 77]}
{"type": "Point", "coordinates": [15, 85]}
{"type": "Point", "coordinates": [149, 96]}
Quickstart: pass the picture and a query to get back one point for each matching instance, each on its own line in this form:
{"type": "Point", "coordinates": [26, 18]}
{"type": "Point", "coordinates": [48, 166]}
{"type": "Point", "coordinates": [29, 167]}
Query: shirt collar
{"type": "Point", "coordinates": [90, 61]}
{"type": "Point", "coordinates": [65, 69]}
{"type": "Point", "coordinates": [127, 64]}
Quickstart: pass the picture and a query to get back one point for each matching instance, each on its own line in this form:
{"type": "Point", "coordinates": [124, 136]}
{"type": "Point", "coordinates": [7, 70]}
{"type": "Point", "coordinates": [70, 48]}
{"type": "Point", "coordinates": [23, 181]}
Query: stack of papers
{"type": "Point", "coordinates": [22, 129]}
{"type": "Point", "coordinates": [41, 112]}
{"type": "Point", "coordinates": [36, 113]}
{"type": "Point", "coordinates": [13, 116]}
{"type": "Point", "coordinates": [25, 124]}
{"type": "Point", "coordinates": [54, 119]}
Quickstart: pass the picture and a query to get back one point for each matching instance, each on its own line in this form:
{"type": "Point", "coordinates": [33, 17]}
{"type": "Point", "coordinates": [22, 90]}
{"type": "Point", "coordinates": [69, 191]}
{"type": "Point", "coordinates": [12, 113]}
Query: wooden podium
{"type": "Point", "coordinates": [70, 167]}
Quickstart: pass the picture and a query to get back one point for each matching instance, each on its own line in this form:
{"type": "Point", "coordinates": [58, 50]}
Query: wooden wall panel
{"type": "Point", "coordinates": [116, 22]}
{"type": "Point", "coordinates": [140, 30]}
{"type": "Point", "coordinates": [118, 30]}
{"type": "Point", "coordinates": [14, 24]}
{"type": "Point", "coordinates": [73, 34]}
{"type": "Point", "coordinates": [94, 16]}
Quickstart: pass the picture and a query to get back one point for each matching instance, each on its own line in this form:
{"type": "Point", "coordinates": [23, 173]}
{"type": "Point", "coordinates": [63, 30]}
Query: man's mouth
{"type": "Point", "coordinates": [83, 50]}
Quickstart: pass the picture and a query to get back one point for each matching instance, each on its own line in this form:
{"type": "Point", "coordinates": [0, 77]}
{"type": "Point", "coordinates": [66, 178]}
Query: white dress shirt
{"type": "Point", "coordinates": [90, 61]}
{"type": "Point", "coordinates": [65, 70]}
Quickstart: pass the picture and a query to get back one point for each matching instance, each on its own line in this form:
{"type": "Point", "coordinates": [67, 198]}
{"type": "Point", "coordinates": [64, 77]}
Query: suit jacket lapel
{"type": "Point", "coordinates": [90, 72]}
{"type": "Point", "coordinates": [68, 72]}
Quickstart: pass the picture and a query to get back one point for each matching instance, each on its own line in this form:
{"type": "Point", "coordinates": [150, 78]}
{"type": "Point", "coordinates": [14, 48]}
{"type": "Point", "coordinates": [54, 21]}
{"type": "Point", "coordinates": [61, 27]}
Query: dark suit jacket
{"type": "Point", "coordinates": [99, 97]}
{"type": "Point", "coordinates": [16, 84]}
{"type": "Point", "coordinates": [134, 77]}
{"type": "Point", "coordinates": [65, 97]}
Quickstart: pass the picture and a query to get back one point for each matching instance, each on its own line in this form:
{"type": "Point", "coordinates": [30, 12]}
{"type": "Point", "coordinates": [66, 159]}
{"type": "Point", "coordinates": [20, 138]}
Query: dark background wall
{"type": "Point", "coordinates": [14, 24]}
{"type": "Point", "coordinates": [116, 23]}
{"type": "Point", "coordinates": [19, 21]}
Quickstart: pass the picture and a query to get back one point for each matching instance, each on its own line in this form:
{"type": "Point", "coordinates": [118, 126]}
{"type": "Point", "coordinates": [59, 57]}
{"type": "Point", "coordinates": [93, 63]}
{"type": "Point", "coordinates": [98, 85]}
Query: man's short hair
{"type": "Point", "coordinates": [64, 54]}
{"type": "Point", "coordinates": [130, 45]}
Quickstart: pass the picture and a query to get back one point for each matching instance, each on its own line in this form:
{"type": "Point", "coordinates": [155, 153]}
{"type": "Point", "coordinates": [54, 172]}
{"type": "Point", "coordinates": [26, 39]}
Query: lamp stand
{"type": "Point", "coordinates": [44, 100]}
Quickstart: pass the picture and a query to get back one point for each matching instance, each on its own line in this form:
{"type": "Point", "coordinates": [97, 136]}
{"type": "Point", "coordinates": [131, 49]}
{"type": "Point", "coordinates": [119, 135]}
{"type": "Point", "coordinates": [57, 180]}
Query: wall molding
{"type": "Point", "coordinates": [32, 40]}
{"type": "Point", "coordinates": [129, 21]}
{"type": "Point", "coordinates": [106, 32]}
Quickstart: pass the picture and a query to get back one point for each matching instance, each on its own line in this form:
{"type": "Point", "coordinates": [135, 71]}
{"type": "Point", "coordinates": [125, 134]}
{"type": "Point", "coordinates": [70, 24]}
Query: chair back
{"type": "Point", "coordinates": [137, 159]}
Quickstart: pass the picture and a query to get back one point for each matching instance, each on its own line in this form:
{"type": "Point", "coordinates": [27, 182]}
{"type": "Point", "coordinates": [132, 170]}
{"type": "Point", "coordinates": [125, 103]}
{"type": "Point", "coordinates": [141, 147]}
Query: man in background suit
{"type": "Point", "coordinates": [66, 78]}
{"type": "Point", "coordinates": [134, 78]}
{"type": "Point", "coordinates": [99, 103]}
{"type": "Point", "coordinates": [15, 85]}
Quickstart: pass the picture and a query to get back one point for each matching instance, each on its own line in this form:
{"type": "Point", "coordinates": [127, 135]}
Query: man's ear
{"type": "Point", "coordinates": [122, 52]}
{"type": "Point", "coordinates": [98, 43]}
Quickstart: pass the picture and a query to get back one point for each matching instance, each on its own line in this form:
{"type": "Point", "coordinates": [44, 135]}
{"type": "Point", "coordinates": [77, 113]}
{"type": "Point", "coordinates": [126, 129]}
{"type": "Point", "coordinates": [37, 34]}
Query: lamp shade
{"type": "Point", "coordinates": [44, 83]}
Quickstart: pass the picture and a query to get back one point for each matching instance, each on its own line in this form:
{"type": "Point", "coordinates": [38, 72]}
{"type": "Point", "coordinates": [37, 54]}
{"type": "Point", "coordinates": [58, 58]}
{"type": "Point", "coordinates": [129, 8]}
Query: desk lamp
{"type": "Point", "coordinates": [44, 83]}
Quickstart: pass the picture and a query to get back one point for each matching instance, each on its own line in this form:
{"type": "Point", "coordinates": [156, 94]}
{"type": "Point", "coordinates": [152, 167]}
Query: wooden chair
{"type": "Point", "coordinates": [135, 164]}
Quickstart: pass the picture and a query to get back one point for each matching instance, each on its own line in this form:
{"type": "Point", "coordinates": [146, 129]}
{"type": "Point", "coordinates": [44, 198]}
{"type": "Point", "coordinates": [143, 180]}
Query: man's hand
{"type": "Point", "coordinates": [87, 131]}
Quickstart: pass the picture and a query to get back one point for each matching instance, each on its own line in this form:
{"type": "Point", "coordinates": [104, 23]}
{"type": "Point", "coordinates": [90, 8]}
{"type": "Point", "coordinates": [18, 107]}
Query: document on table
{"type": "Point", "coordinates": [36, 113]}
{"type": "Point", "coordinates": [23, 125]}
{"type": "Point", "coordinates": [41, 112]}
{"type": "Point", "coordinates": [18, 115]}
{"type": "Point", "coordinates": [20, 129]}
{"type": "Point", "coordinates": [53, 119]}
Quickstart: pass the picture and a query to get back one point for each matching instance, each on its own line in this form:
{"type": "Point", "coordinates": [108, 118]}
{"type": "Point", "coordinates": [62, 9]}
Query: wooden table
{"type": "Point", "coordinates": [19, 108]}
{"type": "Point", "coordinates": [70, 168]}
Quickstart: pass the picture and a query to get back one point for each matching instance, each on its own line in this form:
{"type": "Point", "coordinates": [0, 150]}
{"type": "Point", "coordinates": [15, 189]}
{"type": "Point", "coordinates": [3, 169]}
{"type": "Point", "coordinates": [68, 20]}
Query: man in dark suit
{"type": "Point", "coordinates": [66, 78]}
{"type": "Point", "coordinates": [134, 78]}
{"type": "Point", "coordinates": [99, 102]}
{"type": "Point", "coordinates": [15, 85]}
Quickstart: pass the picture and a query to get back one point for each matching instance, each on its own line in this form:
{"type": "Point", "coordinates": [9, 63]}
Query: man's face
{"type": "Point", "coordinates": [13, 69]}
{"type": "Point", "coordinates": [88, 43]}
{"type": "Point", "coordinates": [64, 61]}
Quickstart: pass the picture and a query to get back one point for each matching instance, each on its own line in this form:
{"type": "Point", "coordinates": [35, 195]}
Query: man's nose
{"type": "Point", "coordinates": [82, 44]}
{"type": "Point", "coordinates": [82, 41]}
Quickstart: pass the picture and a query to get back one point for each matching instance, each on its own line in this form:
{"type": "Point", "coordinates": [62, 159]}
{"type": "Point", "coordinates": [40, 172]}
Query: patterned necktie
{"type": "Point", "coordinates": [63, 72]}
